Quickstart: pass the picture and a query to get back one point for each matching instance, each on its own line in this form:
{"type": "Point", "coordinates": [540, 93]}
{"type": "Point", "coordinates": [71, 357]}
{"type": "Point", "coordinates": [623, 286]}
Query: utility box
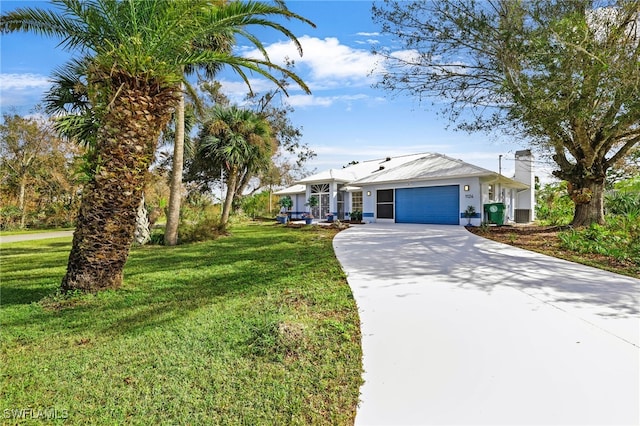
{"type": "Point", "coordinates": [494, 213]}
{"type": "Point", "coordinates": [523, 215]}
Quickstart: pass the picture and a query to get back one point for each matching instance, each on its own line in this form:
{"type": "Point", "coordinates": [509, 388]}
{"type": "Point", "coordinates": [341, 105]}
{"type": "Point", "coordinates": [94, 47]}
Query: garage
{"type": "Point", "coordinates": [432, 204]}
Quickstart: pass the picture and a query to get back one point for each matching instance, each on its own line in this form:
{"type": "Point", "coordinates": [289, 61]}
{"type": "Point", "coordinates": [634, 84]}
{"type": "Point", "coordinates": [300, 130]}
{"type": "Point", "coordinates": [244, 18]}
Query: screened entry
{"type": "Point", "coordinates": [322, 192]}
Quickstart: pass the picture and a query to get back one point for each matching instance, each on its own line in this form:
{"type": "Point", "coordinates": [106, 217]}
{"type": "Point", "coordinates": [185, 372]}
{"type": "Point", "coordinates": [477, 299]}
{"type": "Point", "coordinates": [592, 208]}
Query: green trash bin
{"type": "Point", "coordinates": [494, 213]}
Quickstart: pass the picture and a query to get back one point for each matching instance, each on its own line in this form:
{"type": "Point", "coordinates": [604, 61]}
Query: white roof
{"type": "Point", "coordinates": [360, 170]}
{"type": "Point", "coordinates": [295, 189]}
{"type": "Point", "coordinates": [434, 166]}
{"type": "Point", "coordinates": [414, 167]}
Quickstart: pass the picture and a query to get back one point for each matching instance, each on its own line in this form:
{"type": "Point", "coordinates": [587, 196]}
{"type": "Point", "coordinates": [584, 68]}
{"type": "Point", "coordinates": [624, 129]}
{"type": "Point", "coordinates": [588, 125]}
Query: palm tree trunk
{"type": "Point", "coordinates": [175, 194]}
{"type": "Point", "coordinates": [126, 144]}
{"type": "Point", "coordinates": [231, 190]}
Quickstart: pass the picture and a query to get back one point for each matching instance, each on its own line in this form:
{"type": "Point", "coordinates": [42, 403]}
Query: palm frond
{"type": "Point", "coordinates": [44, 22]}
{"type": "Point", "coordinates": [69, 92]}
{"type": "Point", "coordinates": [158, 41]}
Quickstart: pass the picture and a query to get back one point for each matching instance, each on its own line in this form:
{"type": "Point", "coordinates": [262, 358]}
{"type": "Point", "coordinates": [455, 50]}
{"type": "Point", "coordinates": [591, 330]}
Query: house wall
{"type": "Point", "coordinates": [472, 197]}
{"type": "Point", "coordinates": [348, 203]}
{"type": "Point", "coordinates": [298, 206]}
{"type": "Point", "coordinates": [477, 195]}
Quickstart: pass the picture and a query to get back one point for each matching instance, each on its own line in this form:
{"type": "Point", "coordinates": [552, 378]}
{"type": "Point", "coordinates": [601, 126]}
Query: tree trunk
{"type": "Point", "coordinates": [125, 143]}
{"type": "Point", "coordinates": [228, 201]}
{"type": "Point", "coordinates": [21, 201]}
{"type": "Point", "coordinates": [588, 197]}
{"type": "Point", "coordinates": [175, 195]}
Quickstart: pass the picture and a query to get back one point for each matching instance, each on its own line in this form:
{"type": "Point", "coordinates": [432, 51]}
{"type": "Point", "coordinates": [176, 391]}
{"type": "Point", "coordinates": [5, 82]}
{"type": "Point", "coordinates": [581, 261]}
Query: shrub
{"type": "Point", "coordinates": [618, 238]}
{"type": "Point", "coordinates": [257, 205]}
{"type": "Point", "coordinates": [10, 217]}
{"type": "Point", "coordinates": [623, 203]}
{"type": "Point", "coordinates": [157, 238]}
{"type": "Point", "coordinates": [204, 229]}
{"type": "Point", "coordinates": [553, 204]}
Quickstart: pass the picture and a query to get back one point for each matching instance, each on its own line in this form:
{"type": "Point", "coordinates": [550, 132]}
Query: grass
{"type": "Point", "coordinates": [256, 328]}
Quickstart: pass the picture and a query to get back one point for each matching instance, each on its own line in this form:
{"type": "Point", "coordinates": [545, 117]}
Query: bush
{"type": "Point", "coordinates": [157, 238]}
{"type": "Point", "coordinates": [623, 203]}
{"type": "Point", "coordinates": [207, 228]}
{"type": "Point", "coordinates": [258, 205]}
{"type": "Point", "coordinates": [553, 205]}
{"type": "Point", "coordinates": [10, 217]}
{"type": "Point", "coordinates": [619, 238]}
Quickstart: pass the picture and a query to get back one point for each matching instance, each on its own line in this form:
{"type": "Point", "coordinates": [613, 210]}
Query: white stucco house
{"type": "Point", "coordinates": [419, 188]}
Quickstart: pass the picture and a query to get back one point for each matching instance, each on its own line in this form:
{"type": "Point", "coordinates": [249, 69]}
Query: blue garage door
{"type": "Point", "coordinates": [433, 204]}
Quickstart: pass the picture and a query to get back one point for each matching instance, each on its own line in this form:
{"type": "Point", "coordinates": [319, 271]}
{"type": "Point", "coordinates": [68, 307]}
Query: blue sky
{"type": "Point", "coordinates": [344, 118]}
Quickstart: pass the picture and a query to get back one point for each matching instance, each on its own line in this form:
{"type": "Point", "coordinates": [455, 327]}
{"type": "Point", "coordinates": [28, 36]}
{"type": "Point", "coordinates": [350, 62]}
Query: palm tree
{"type": "Point", "coordinates": [240, 142]}
{"type": "Point", "coordinates": [136, 52]}
{"type": "Point", "coordinates": [219, 42]}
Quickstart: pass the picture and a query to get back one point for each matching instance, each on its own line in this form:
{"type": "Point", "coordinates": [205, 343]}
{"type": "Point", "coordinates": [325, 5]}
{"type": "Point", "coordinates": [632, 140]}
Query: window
{"type": "Point", "coordinates": [356, 201]}
{"type": "Point", "coordinates": [384, 204]}
{"type": "Point", "coordinates": [320, 189]}
{"type": "Point", "coordinates": [340, 201]}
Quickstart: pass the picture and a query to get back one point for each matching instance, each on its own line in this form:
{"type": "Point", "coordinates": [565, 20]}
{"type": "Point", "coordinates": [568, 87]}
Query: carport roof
{"type": "Point", "coordinates": [295, 189]}
{"type": "Point", "coordinates": [435, 166]}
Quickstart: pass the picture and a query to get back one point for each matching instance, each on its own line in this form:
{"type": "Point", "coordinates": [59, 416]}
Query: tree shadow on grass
{"type": "Point", "coordinates": [54, 254]}
{"type": "Point", "coordinates": [164, 284]}
{"type": "Point", "coordinates": [31, 270]}
{"type": "Point", "coordinates": [22, 296]}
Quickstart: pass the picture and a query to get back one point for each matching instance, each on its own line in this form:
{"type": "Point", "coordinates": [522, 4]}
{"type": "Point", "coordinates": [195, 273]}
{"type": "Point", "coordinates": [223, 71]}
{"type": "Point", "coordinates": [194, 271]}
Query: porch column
{"type": "Point", "coordinates": [307, 195]}
{"type": "Point", "coordinates": [333, 198]}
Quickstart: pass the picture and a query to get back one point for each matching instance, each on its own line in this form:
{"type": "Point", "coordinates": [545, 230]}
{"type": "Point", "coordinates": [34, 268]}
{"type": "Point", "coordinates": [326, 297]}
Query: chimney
{"type": "Point", "coordinates": [525, 202]}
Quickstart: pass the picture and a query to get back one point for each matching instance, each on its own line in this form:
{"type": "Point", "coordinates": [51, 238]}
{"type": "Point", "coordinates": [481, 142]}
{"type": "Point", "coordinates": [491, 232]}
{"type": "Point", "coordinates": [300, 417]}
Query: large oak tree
{"type": "Point", "coordinates": [563, 74]}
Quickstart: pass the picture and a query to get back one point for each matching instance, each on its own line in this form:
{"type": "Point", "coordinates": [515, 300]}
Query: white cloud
{"type": "Point", "coordinates": [21, 90]}
{"type": "Point", "coordinates": [364, 34]}
{"type": "Point", "coordinates": [237, 90]}
{"type": "Point", "coordinates": [410, 55]}
{"type": "Point", "coordinates": [332, 70]}
{"type": "Point", "coordinates": [24, 81]}
{"type": "Point", "coordinates": [327, 62]}
{"type": "Point", "coordinates": [368, 42]}
{"type": "Point", "coordinates": [301, 101]}
{"type": "Point", "coordinates": [297, 101]}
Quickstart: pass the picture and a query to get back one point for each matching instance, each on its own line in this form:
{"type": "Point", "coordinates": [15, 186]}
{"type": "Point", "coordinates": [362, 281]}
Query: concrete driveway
{"type": "Point", "coordinates": [457, 329]}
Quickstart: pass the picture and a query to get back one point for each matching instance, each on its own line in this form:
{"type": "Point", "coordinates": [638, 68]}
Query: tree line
{"type": "Point", "coordinates": [240, 148]}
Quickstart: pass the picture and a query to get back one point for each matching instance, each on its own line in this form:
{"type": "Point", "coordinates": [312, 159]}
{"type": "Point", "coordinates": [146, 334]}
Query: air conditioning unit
{"type": "Point", "coordinates": [523, 215]}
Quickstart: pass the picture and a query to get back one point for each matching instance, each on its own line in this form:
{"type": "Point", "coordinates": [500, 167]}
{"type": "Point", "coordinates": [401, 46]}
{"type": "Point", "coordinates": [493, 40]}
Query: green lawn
{"type": "Point", "coordinates": [256, 328]}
